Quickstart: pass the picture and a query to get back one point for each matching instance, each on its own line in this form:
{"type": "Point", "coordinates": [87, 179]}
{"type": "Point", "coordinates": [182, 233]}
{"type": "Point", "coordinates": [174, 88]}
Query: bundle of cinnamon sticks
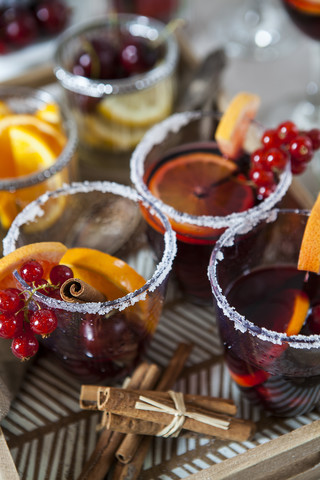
{"type": "Point", "coordinates": [144, 407]}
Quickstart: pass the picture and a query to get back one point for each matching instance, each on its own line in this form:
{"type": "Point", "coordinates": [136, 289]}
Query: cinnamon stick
{"type": "Point", "coordinates": [138, 448]}
{"type": "Point", "coordinates": [238, 429]}
{"type": "Point", "coordinates": [124, 403]}
{"type": "Point", "coordinates": [102, 457]}
{"type": "Point", "coordinates": [75, 290]}
{"type": "Point", "coordinates": [110, 398]}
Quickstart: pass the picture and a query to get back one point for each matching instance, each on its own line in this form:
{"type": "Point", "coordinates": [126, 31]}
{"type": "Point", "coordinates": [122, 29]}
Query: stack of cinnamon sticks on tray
{"type": "Point", "coordinates": [145, 407]}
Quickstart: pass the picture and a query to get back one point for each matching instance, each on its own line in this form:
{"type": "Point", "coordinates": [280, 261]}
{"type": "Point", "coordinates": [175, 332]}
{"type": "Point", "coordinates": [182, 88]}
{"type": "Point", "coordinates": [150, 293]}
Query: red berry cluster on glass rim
{"type": "Point", "coordinates": [21, 319]}
{"type": "Point", "coordinates": [279, 145]}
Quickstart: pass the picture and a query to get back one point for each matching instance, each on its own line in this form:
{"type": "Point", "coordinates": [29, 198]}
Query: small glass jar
{"type": "Point", "coordinates": [113, 114]}
{"type": "Point", "coordinates": [16, 192]}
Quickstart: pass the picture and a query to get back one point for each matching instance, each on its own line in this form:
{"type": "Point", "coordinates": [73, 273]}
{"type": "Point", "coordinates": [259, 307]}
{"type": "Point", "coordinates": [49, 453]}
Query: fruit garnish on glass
{"type": "Point", "coordinates": [118, 76]}
{"type": "Point", "coordinates": [37, 151]}
{"type": "Point", "coordinates": [202, 171]}
{"type": "Point", "coordinates": [99, 244]}
{"type": "Point", "coordinates": [271, 297]}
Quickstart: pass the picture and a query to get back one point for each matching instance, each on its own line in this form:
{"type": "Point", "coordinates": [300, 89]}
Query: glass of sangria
{"type": "Point", "coordinates": [178, 167]}
{"type": "Point", "coordinates": [38, 142]}
{"type": "Point", "coordinates": [268, 312]}
{"type": "Point", "coordinates": [305, 14]}
{"type": "Point", "coordinates": [100, 236]}
{"type": "Point", "coordinates": [118, 78]}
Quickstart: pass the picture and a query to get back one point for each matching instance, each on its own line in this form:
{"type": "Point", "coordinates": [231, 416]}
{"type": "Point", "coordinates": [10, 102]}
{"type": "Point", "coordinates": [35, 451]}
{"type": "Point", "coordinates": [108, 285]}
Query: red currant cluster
{"type": "Point", "coordinates": [22, 22]}
{"type": "Point", "coordinates": [278, 146]}
{"type": "Point", "coordinates": [20, 322]}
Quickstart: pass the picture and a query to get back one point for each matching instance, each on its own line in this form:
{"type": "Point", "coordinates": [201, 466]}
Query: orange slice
{"type": "Point", "coordinates": [300, 309]}
{"type": "Point", "coordinates": [50, 113]}
{"type": "Point", "coordinates": [234, 124]}
{"type": "Point", "coordinates": [112, 277]}
{"type": "Point", "coordinates": [200, 183]}
{"type": "Point", "coordinates": [309, 255]}
{"type": "Point", "coordinates": [306, 6]}
{"type": "Point", "coordinates": [48, 253]}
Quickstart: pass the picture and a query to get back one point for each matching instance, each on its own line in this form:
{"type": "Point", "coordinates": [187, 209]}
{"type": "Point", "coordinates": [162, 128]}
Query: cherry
{"type": "Point", "coordinates": [20, 26]}
{"type": "Point", "coordinates": [287, 131]}
{"type": "Point", "coordinates": [301, 149]}
{"type": "Point", "coordinates": [25, 345]}
{"type": "Point", "coordinates": [136, 56]}
{"type": "Point", "coordinates": [97, 59]}
{"type": "Point", "coordinates": [10, 301]}
{"type": "Point", "coordinates": [11, 325]}
{"type": "Point", "coordinates": [43, 322]}
{"type": "Point", "coordinates": [270, 138]}
{"type": "Point", "coordinates": [59, 274]}
{"type": "Point", "coordinates": [52, 15]}
{"type": "Point", "coordinates": [31, 271]}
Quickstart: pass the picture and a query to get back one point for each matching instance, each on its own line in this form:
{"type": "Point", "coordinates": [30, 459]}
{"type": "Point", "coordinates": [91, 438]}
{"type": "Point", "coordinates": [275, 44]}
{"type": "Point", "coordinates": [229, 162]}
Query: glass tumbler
{"type": "Point", "coordinates": [198, 201]}
{"type": "Point", "coordinates": [267, 312]}
{"type": "Point", "coordinates": [101, 341]}
{"type": "Point", "coordinates": [116, 105]}
{"type": "Point", "coordinates": [19, 111]}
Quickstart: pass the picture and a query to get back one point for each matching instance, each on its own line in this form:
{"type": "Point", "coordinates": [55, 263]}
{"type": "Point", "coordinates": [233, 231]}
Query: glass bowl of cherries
{"type": "Point", "coordinates": [118, 76]}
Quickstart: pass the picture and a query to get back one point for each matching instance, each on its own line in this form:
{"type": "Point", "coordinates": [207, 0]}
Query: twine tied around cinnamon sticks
{"type": "Point", "coordinates": [179, 414]}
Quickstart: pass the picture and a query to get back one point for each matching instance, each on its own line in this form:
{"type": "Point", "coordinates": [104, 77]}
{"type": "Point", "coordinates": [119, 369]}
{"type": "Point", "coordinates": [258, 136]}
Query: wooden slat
{"type": "Point", "coordinates": [284, 458]}
{"type": "Point", "coordinates": [35, 77]}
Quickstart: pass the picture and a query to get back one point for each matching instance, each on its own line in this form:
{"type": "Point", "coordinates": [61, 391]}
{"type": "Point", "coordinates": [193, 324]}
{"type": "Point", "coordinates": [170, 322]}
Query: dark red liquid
{"type": "Point", "coordinates": [307, 20]}
{"type": "Point", "coordinates": [284, 379]}
{"type": "Point", "coordinates": [218, 198]}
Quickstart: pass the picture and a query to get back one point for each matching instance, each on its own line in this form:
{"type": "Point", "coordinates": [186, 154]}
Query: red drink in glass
{"type": "Point", "coordinates": [306, 16]}
{"type": "Point", "coordinates": [267, 312]}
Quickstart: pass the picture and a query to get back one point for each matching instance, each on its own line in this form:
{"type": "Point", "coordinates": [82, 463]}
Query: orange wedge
{"type": "Point", "coordinates": [300, 310]}
{"type": "Point", "coordinates": [48, 253]}
{"type": "Point", "coordinates": [234, 124]}
{"type": "Point", "coordinates": [309, 255]}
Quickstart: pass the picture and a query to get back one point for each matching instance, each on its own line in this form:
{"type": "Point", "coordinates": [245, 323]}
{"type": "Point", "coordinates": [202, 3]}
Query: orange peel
{"type": "Point", "coordinates": [309, 255]}
{"type": "Point", "coordinates": [234, 124]}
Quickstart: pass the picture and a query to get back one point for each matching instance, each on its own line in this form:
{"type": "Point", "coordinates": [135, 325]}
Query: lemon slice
{"type": "Point", "coordinates": [138, 109]}
{"type": "Point", "coordinates": [234, 124]}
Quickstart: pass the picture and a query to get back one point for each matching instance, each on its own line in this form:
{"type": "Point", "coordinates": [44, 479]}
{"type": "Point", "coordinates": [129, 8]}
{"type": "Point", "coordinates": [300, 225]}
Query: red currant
{"type": "Point", "coordinates": [25, 345]}
{"type": "Point", "coordinates": [31, 271]}
{"type": "Point", "coordinates": [298, 167]}
{"type": "Point", "coordinates": [263, 192]}
{"type": "Point", "coordinates": [301, 149]}
{"type": "Point", "coordinates": [314, 135]}
{"type": "Point", "coordinates": [262, 178]}
{"type": "Point", "coordinates": [10, 301]}
{"type": "Point", "coordinates": [43, 322]}
{"type": "Point", "coordinates": [11, 325]}
{"type": "Point", "coordinates": [270, 138]}
{"type": "Point", "coordinates": [276, 158]}
{"type": "Point", "coordinates": [258, 158]}
{"type": "Point", "coordinates": [287, 131]}
{"type": "Point", "coordinates": [59, 274]}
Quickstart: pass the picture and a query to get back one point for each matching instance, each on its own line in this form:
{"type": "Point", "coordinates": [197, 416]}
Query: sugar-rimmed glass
{"type": "Point", "coordinates": [278, 370]}
{"type": "Point", "coordinates": [196, 234]}
{"type": "Point", "coordinates": [104, 216]}
{"type": "Point", "coordinates": [106, 140]}
{"type": "Point", "coordinates": [16, 192]}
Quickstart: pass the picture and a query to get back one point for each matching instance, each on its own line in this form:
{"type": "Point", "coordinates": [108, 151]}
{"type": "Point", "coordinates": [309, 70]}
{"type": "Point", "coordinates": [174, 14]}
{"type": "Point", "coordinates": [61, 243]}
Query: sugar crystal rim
{"type": "Point", "coordinates": [13, 184]}
{"type": "Point", "coordinates": [240, 321]}
{"type": "Point", "coordinates": [161, 272]}
{"type": "Point", "coordinates": [155, 136]}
